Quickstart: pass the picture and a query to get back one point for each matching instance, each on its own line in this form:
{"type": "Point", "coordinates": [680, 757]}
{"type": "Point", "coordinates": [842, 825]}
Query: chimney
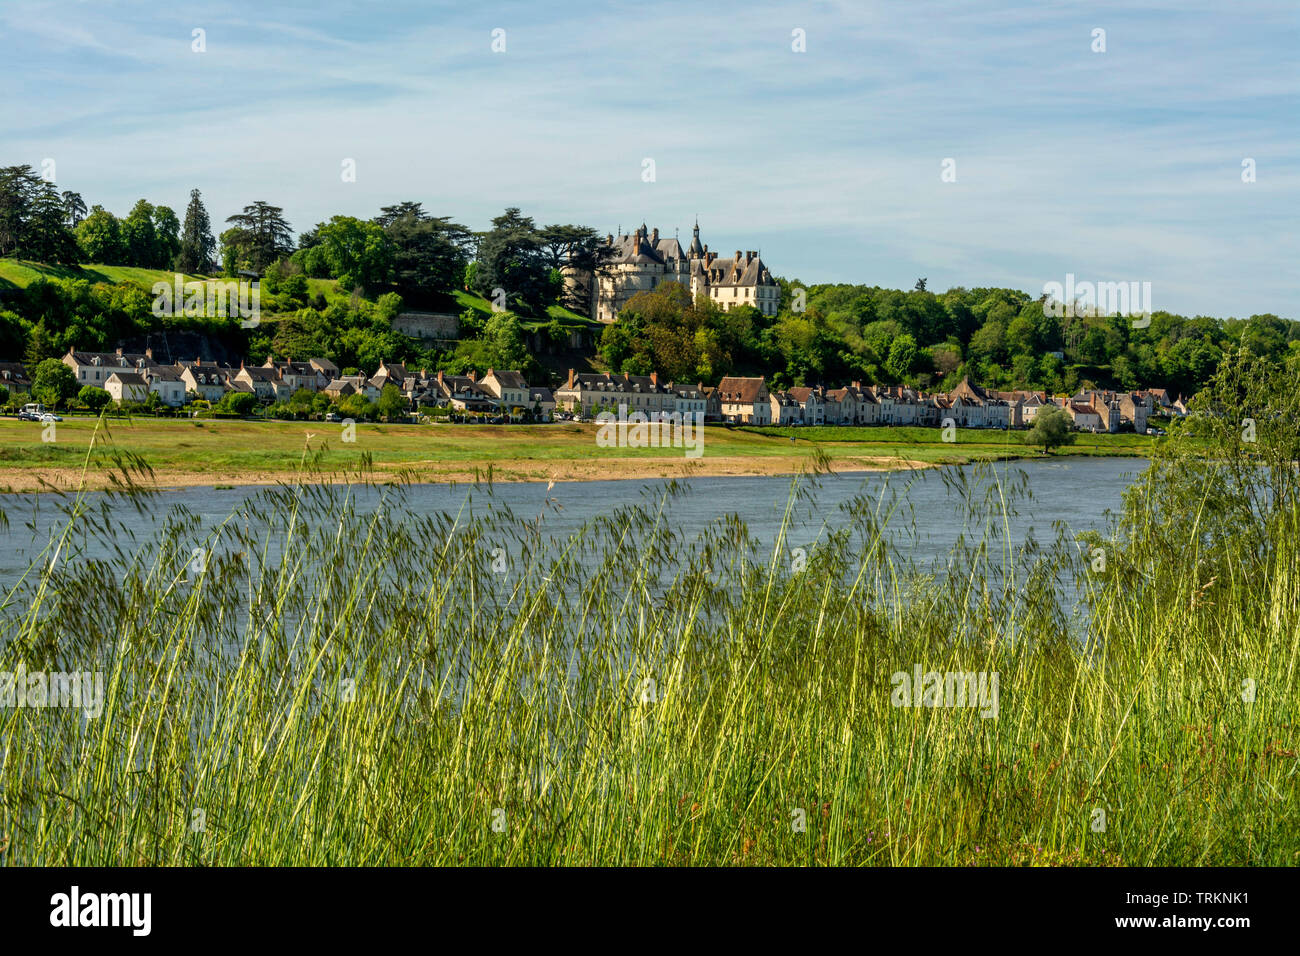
{"type": "Point", "coordinates": [472, 375]}
{"type": "Point", "coordinates": [857, 384]}
{"type": "Point", "coordinates": [737, 255]}
{"type": "Point", "coordinates": [118, 351]}
{"type": "Point", "coordinates": [569, 383]}
{"type": "Point", "coordinates": [654, 378]}
{"type": "Point", "coordinates": [440, 379]}
{"type": "Point", "coordinates": [654, 236]}
{"type": "Point", "coordinates": [489, 374]}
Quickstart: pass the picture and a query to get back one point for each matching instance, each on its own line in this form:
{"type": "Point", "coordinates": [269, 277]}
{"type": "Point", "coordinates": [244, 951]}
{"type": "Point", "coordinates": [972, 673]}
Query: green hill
{"type": "Point", "coordinates": [20, 273]}
{"type": "Point", "coordinates": [468, 300]}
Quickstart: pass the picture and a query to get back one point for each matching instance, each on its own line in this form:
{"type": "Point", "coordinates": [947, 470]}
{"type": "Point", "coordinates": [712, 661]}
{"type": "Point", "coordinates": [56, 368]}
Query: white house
{"type": "Point", "coordinates": [126, 387]}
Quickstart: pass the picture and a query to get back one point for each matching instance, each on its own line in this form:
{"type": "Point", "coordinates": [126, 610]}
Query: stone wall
{"type": "Point", "coordinates": [428, 325]}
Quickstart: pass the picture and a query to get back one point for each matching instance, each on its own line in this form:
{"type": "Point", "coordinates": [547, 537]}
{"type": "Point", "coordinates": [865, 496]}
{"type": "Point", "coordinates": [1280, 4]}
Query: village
{"type": "Point", "coordinates": [319, 389]}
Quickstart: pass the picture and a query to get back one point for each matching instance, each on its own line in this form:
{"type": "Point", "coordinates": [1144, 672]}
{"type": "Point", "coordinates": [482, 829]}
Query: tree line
{"type": "Point", "coordinates": [405, 256]}
{"type": "Point", "coordinates": [1001, 338]}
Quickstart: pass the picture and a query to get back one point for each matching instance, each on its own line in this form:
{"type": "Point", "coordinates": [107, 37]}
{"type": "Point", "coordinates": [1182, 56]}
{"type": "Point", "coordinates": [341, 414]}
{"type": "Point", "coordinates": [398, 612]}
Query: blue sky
{"type": "Point", "coordinates": [1122, 165]}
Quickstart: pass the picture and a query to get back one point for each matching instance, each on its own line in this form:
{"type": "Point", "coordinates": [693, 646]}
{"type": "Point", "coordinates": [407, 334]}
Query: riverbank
{"type": "Point", "coordinates": [186, 453]}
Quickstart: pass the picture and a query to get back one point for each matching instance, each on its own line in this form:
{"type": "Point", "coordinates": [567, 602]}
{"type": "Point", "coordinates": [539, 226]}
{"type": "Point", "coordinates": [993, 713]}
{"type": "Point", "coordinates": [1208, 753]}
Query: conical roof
{"type": "Point", "coordinates": [696, 251]}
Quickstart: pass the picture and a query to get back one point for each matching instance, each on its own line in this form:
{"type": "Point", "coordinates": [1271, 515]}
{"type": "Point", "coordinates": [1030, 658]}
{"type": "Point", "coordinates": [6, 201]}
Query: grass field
{"type": "Point", "coordinates": [17, 272]}
{"type": "Point", "coordinates": [185, 451]}
{"type": "Point", "coordinates": [21, 273]}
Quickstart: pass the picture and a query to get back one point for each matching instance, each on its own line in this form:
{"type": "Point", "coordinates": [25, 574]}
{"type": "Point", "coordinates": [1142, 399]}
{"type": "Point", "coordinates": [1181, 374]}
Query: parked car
{"type": "Point", "coordinates": [333, 417]}
{"type": "Point", "coordinates": [36, 412]}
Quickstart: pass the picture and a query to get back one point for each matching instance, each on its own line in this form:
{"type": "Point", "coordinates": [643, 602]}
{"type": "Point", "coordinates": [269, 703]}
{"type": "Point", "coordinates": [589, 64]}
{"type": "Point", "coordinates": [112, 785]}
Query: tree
{"type": "Point", "coordinates": [583, 251]}
{"type": "Point", "coordinates": [53, 383]}
{"type": "Point", "coordinates": [4, 394]}
{"type": "Point", "coordinates": [259, 236]}
{"type": "Point", "coordinates": [429, 254]}
{"type": "Point", "coordinates": [504, 339]}
{"type": "Point", "coordinates": [357, 253]}
{"type": "Point", "coordinates": [100, 237]}
{"type": "Point", "coordinates": [167, 233]}
{"type": "Point", "coordinates": [902, 352]}
{"type": "Point", "coordinates": [140, 235]}
{"type": "Point", "coordinates": [198, 248]}
{"type": "Point", "coordinates": [33, 218]}
{"type": "Point", "coordinates": [356, 406]}
{"type": "Point", "coordinates": [1051, 429]}
{"type": "Point", "coordinates": [392, 402]}
{"type": "Point", "coordinates": [19, 187]}
{"type": "Point", "coordinates": [562, 243]}
{"type": "Point", "coordinates": [48, 237]}
{"type": "Point", "coordinates": [93, 397]}
{"type": "Point", "coordinates": [510, 258]}
{"type": "Point", "coordinates": [240, 403]}
{"type": "Point", "coordinates": [75, 207]}
{"type": "Point", "coordinates": [40, 346]}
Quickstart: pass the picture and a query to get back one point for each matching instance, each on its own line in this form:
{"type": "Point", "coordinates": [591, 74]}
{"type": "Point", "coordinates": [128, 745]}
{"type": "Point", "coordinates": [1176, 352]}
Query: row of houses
{"type": "Point", "coordinates": [748, 400]}
{"type": "Point", "coordinates": [502, 392]}
{"type": "Point", "coordinates": [131, 377]}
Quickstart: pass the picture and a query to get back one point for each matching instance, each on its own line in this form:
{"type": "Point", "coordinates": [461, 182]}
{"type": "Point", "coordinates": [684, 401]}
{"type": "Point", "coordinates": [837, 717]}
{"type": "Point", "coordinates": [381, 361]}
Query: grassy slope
{"type": "Point", "coordinates": [21, 273]}
{"type": "Point", "coordinates": [16, 273]}
{"type": "Point", "coordinates": [468, 300]}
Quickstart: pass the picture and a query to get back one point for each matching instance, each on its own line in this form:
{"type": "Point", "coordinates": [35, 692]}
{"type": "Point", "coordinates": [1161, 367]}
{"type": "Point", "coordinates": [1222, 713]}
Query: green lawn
{"type": "Point", "coordinates": [468, 300]}
{"type": "Point", "coordinates": [205, 451]}
{"type": "Point", "coordinates": [927, 444]}
{"type": "Point", "coordinates": [21, 273]}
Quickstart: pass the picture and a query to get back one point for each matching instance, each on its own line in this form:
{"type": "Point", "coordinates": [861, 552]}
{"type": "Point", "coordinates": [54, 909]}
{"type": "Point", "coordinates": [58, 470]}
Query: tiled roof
{"type": "Point", "coordinates": [741, 390]}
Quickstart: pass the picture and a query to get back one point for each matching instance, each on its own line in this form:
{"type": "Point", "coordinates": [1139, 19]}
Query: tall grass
{"type": "Point", "coordinates": [327, 683]}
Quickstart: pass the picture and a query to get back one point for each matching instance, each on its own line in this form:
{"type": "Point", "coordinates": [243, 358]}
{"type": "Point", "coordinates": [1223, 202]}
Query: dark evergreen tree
{"type": "Point", "coordinates": [198, 248]}
{"type": "Point", "coordinates": [511, 258]}
{"type": "Point", "coordinates": [259, 236]}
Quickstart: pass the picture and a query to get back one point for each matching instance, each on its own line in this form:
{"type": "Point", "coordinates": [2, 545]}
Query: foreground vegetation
{"type": "Point", "coordinates": [316, 682]}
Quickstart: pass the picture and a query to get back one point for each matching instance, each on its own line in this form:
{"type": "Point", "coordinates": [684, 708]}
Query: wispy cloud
{"type": "Point", "coordinates": [1123, 164]}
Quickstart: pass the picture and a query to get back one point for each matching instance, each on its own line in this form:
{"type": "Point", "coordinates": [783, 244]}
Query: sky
{"type": "Point", "coordinates": [967, 142]}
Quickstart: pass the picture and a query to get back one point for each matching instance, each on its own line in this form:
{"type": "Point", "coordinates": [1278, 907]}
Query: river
{"type": "Point", "coordinates": [927, 507]}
